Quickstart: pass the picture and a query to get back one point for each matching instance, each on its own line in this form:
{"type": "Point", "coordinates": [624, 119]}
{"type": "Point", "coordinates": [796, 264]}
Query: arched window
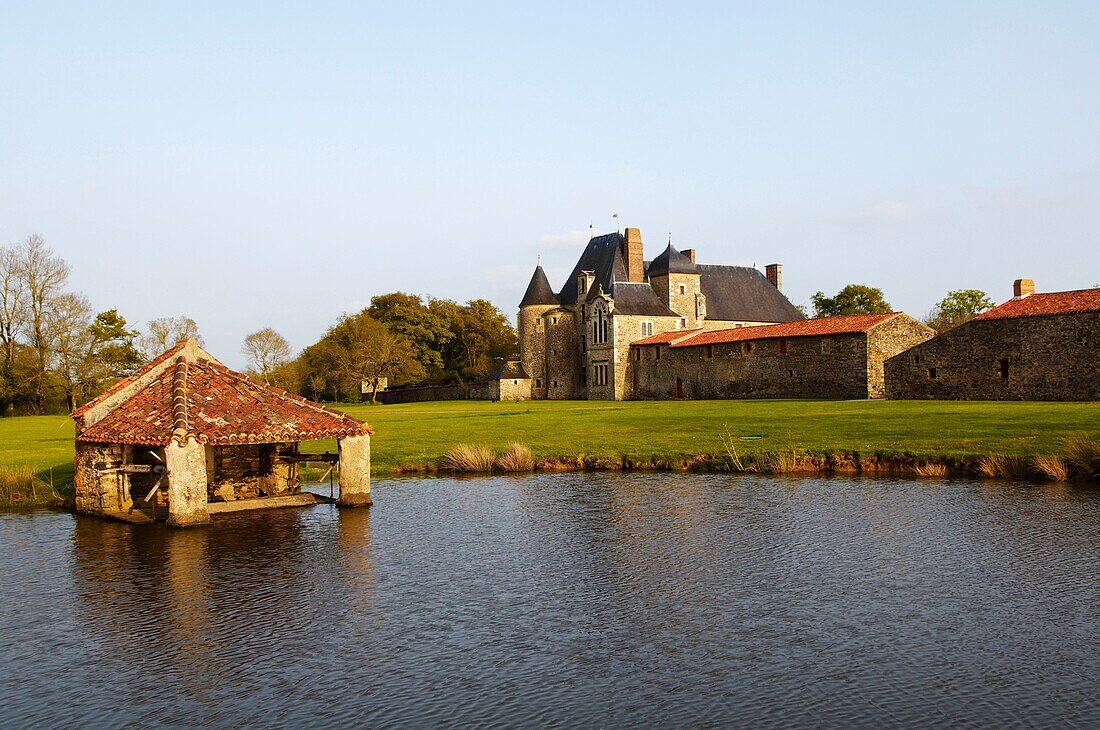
{"type": "Point", "coordinates": [601, 324]}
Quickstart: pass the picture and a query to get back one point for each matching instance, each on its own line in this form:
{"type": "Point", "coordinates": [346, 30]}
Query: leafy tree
{"type": "Point", "coordinates": [267, 350]}
{"type": "Point", "coordinates": [167, 332]}
{"type": "Point", "coordinates": [957, 307]}
{"type": "Point", "coordinates": [92, 352]}
{"type": "Point", "coordinates": [406, 314]}
{"type": "Point", "coordinates": [852, 299]}
{"type": "Point", "coordinates": [359, 350]}
{"type": "Point", "coordinates": [483, 338]}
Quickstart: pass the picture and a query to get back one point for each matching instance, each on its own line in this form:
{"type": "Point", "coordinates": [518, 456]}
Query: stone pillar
{"type": "Point", "coordinates": [354, 471]}
{"type": "Point", "coordinates": [186, 483]}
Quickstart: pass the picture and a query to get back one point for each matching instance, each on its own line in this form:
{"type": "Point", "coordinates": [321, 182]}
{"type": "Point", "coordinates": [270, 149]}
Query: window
{"type": "Point", "coordinates": [647, 329]}
{"type": "Point", "coordinates": [583, 284]}
{"type": "Point", "coordinates": [746, 348]}
{"type": "Point", "coordinates": [683, 289]}
{"type": "Point", "coordinates": [931, 373]}
{"type": "Point", "coordinates": [658, 351]}
{"type": "Point", "coordinates": [555, 351]}
{"type": "Point", "coordinates": [599, 374]}
{"type": "Point", "coordinates": [637, 354]}
{"type": "Point", "coordinates": [781, 347]}
{"type": "Point", "coordinates": [708, 352]}
{"type": "Point", "coordinates": [538, 382]}
{"type": "Point", "coordinates": [1002, 369]}
{"type": "Point", "coordinates": [683, 323]}
{"type": "Point", "coordinates": [790, 373]}
{"type": "Point", "coordinates": [538, 323]}
{"type": "Point", "coordinates": [515, 382]}
{"type": "Point", "coordinates": [916, 358]}
{"type": "Point", "coordinates": [555, 384]}
{"type": "Point", "coordinates": [584, 343]}
{"type": "Point", "coordinates": [553, 320]}
{"type": "Point", "coordinates": [601, 324]}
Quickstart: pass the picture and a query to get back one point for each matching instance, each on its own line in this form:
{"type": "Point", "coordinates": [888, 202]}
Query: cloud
{"type": "Point", "coordinates": [881, 214]}
{"type": "Point", "coordinates": [571, 241]}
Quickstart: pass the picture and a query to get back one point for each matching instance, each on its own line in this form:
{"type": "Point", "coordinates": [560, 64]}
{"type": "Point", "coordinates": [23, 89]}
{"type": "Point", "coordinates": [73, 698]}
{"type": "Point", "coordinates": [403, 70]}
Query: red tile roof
{"type": "Point", "coordinates": [195, 395]}
{"type": "Point", "coordinates": [847, 324]}
{"type": "Point", "coordinates": [1043, 305]}
{"type": "Point", "coordinates": [666, 337]}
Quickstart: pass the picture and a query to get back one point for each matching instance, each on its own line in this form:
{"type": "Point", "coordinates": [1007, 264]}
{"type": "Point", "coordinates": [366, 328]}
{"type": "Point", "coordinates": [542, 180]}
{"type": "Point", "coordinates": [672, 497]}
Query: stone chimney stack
{"type": "Point", "coordinates": [690, 253]}
{"type": "Point", "coordinates": [774, 272]}
{"type": "Point", "coordinates": [632, 254]}
{"type": "Point", "coordinates": [1022, 288]}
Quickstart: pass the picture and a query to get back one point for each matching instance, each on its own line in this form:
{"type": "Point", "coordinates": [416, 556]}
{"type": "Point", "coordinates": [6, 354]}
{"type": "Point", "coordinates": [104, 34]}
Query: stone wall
{"type": "Point", "coordinates": [98, 485]}
{"type": "Point", "coordinates": [560, 379]}
{"type": "Point", "coordinates": [250, 470]}
{"type": "Point", "coordinates": [531, 332]}
{"type": "Point", "coordinates": [511, 389]}
{"type": "Point", "coordinates": [830, 366]}
{"type": "Point", "coordinates": [1031, 358]}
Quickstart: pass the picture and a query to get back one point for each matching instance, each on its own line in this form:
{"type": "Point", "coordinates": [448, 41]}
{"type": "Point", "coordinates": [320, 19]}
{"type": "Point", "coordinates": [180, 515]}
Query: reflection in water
{"type": "Point", "coordinates": [607, 599]}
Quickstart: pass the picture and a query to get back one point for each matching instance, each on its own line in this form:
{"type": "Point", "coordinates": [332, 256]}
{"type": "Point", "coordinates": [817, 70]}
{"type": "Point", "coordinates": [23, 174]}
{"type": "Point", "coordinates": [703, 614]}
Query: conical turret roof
{"type": "Point", "coordinates": [538, 291]}
{"type": "Point", "coordinates": [672, 261]}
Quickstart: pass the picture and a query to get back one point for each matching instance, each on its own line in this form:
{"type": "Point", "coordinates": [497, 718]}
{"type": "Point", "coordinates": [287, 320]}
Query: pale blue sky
{"type": "Point", "coordinates": [267, 164]}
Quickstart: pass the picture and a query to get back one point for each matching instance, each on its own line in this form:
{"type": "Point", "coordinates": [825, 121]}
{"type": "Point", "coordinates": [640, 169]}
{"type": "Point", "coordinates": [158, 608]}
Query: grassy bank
{"type": "Point", "coordinates": [859, 434]}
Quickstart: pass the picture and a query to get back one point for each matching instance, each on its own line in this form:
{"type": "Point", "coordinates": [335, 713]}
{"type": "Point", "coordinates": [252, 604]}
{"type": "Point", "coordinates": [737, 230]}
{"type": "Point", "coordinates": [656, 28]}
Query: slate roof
{"type": "Point", "coordinates": [743, 294]}
{"type": "Point", "coordinates": [187, 393]}
{"type": "Point", "coordinates": [538, 291]}
{"type": "Point", "coordinates": [603, 257]}
{"type": "Point", "coordinates": [671, 261]}
{"type": "Point", "coordinates": [1045, 305]}
{"type": "Point", "coordinates": [847, 324]}
{"type": "Point", "coordinates": [638, 298]}
{"type": "Point", "coordinates": [511, 370]}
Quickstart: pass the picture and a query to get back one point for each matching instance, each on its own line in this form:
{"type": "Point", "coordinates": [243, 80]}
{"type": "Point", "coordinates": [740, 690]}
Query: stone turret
{"type": "Point", "coordinates": [537, 301]}
{"type": "Point", "coordinates": [676, 279]}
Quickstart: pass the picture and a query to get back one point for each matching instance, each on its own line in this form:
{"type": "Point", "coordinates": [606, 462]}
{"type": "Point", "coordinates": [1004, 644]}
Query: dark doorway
{"type": "Point", "coordinates": [679, 388]}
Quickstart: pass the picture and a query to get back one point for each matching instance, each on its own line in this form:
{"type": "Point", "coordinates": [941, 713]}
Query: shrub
{"type": "Point", "coordinates": [1083, 455]}
{"type": "Point", "coordinates": [19, 484]}
{"type": "Point", "coordinates": [517, 458]}
{"type": "Point", "coordinates": [468, 459]}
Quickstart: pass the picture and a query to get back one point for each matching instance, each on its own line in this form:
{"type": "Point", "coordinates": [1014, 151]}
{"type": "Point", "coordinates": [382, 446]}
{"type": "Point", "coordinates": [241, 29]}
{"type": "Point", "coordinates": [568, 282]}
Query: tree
{"type": "Point", "coordinates": [43, 276]}
{"type": "Point", "coordinates": [267, 350]}
{"type": "Point", "coordinates": [483, 338]}
{"type": "Point", "coordinates": [405, 314]}
{"type": "Point", "coordinates": [957, 307]}
{"type": "Point", "coordinates": [360, 350]}
{"type": "Point", "coordinates": [12, 315]}
{"type": "Point", "coordinates": [852, 299]}
{"type": "Point", "coordinates": [167, 332]}
{"type": "Point", "coordinates": [92, 352]}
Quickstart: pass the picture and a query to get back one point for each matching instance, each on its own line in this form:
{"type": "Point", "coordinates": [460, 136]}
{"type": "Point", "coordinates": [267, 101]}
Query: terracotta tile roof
{"type": "Point", "coordinates": [121, 385]}
{"type": "Point", "coordinates": [195, 395]}
{"type": "Point", "coordinates": [1044, 305]}
{"type": "Point", "coordinates": [665, 338]}
{"type": "Point", "coordinates": [848, 324]}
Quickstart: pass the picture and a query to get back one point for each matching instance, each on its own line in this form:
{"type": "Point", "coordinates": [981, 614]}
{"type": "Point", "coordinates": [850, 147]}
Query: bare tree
{"type": "Point", "coordinates": [12, 316]}
{"type": "Point", "coordinates": [167, 332]}
{"type": "Point", "coordinates": [44, 276]}
{"type": "Point", "coordinates": [69, 327]}
{"type": "Point", "coordinates": [266, 350]}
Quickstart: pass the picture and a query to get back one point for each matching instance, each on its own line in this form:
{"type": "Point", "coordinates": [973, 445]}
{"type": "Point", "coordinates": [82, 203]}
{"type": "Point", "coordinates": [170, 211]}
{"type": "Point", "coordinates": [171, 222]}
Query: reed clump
{"type": "Point", "coordinates": [468, 459]}
{"type": "Point", "coordinates": [18, 483]}
{"type": "Point", "coordinates": [931, 469]}
{"type": "Point", "coordinates": [517, 458]}
{"type": "Point", "coordinates": [1082, 454]}
{"type": "Point", "coordinates": [1051, 468]}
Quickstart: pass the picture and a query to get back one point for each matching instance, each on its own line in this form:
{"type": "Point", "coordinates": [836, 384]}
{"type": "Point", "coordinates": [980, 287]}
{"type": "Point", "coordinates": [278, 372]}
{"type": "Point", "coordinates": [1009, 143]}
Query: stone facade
{"type": "Point", "coordinates": [1028, 358]}
{"type": "Point", "coordinates": [835, 365]}
{"type": "Point", "coordinates": [251, 470]}
{"type": "Point", "coordinates": [576, 343]}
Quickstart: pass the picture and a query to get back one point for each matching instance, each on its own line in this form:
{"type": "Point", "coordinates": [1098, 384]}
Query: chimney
{"type": "Point", "coordinates": [690, 253]}
{"type": "Point", "coordinates": [774, 272]}
{"type": "Point", "coordinates": [632, 253]}
{"type": "Point", "coordinates": [1022, 288]}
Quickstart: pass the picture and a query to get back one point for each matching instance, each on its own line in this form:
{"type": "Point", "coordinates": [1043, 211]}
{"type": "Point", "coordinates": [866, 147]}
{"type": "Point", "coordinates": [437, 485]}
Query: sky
{"type": "Point", "coordinates": [275, 164]}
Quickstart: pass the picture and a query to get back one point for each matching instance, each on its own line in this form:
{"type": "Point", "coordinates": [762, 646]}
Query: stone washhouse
{"type": "Point", "coordinates": [186, 437]}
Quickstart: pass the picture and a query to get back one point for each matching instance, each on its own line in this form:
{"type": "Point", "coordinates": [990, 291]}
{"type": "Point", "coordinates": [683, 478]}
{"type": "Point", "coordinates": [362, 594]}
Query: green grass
{"type": "Point", "coordinates": [417, 434]}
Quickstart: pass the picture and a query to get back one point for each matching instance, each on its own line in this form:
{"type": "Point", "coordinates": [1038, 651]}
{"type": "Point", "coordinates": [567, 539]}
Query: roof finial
{"type": "Point", "coordinates": [538, 260]}
{"type": "Point", "coordinates": [670, 238]}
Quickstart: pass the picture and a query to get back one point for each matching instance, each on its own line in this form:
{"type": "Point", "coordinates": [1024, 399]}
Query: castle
{"type": "Point", "coordinates": [575, 343]}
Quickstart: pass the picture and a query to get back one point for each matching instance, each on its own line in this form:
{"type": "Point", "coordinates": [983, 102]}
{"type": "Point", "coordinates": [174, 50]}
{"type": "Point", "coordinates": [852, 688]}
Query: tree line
{"type": "Point", "coordinates": [955, 308]}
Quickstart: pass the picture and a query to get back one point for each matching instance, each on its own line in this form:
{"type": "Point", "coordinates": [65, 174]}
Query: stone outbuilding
{"type": "Point", "coordinates": [510, 382]}
{"type": "Point", "coordinates": [186, 436]}
{"type": "Point", "coordinates": [1032, 347]}
{"type": "Point", "coordinates": [830, 357]}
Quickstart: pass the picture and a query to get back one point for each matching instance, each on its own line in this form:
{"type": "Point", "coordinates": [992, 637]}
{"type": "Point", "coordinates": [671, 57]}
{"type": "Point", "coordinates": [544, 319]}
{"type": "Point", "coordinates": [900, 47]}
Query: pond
{"type": "Point", "coordinates": [573, 599]}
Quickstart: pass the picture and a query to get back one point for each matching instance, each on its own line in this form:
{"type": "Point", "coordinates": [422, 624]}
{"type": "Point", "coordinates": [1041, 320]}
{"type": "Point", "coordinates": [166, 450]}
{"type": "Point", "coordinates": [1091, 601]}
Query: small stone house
{"type": "Point", "coordinates": [186, 436]}
{"type": "Point", "coordinates": [1032, 347]}
{"type": "Point", "coordinates": [510, 382]}
{"type": "Point", "coordinates": [832, 357]}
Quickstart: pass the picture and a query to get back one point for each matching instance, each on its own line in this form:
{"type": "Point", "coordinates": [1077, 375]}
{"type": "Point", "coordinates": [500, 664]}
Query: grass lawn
{"type": "Point", "coordinates": [417, 434]}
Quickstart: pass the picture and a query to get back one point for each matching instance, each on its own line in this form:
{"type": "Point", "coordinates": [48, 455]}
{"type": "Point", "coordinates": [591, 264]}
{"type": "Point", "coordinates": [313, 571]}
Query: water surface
{"type": "Point", "coordinates": [590, 600]}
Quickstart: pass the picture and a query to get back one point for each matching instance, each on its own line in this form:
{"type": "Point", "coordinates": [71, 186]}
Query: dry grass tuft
{"type": "Point", "coordinates": [1051, 468]}
{"type": "Point", "coordinates": [993, 466]}
{"type": "Point", "coordinates": [19, 484]}
{"type": "Point", "coordinates": [468, 459]}
{"type": "Point", "coordinates": [931, 469]}
{"type": "Point", "coordinates": [1083, 455]}
{"type": "Point", "coordinates": [517, 458]}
